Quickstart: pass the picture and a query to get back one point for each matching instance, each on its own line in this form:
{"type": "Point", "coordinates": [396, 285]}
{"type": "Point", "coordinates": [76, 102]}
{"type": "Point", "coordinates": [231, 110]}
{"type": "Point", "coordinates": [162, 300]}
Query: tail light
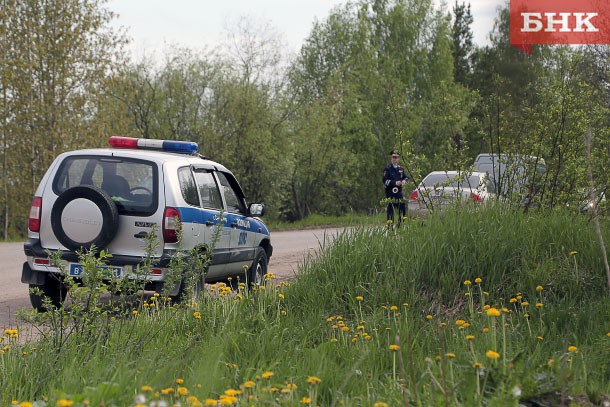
{"type": "Point", "coordinates": [35, 213]}
{"type": "Point", "coordinates": [171, 219]}
{"type": "Point", "coordinates": [476, 198]}
{"type": "Point", "coordinates": [413, 196]}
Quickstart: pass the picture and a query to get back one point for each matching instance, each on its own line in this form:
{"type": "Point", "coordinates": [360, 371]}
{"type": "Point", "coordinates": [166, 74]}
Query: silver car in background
{"type": "Point", "coordinates": [442, 189]}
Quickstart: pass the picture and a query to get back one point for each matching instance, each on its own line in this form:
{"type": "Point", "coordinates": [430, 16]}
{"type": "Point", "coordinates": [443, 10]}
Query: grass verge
{"type": "Point", "coordinates": [490, 308]}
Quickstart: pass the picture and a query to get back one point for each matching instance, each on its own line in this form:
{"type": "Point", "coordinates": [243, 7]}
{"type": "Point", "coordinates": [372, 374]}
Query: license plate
{"type": "Point", "coordinates": [440, 200]}
{"type": "Point", "coordinates": [77, 270]}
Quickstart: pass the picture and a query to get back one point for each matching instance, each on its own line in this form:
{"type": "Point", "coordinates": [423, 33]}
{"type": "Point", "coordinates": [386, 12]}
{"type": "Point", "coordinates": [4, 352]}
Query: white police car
{"type": "Point", "coordinates": [112, 198]}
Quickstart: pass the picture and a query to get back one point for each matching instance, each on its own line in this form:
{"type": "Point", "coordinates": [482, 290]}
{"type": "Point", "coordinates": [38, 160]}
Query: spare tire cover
{"type": "Point", "coordinates": [84, 217]}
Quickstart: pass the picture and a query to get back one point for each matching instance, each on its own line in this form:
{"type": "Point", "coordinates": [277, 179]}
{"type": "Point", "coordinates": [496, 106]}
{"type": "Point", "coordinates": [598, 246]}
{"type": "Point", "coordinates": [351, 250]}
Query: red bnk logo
{"type": "Point", "coordinates": [559, 22]}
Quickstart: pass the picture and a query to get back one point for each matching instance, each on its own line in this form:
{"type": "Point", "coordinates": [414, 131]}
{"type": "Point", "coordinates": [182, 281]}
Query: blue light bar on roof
{"type": "Point", "coordinates": [169, 146]}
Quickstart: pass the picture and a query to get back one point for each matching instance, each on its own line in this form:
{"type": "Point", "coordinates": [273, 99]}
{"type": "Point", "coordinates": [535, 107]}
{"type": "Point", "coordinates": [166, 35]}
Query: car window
{"type": "Point", "coordinates": [232, 193]}
{"type": "Point", "coordinates": [208, 189]}
{"type": "Point", "coordinates": [188, 186]}
{"type": "Point", "coordinates": [451, 180]}
{"type": "Point", "coordinates": [131, 183]}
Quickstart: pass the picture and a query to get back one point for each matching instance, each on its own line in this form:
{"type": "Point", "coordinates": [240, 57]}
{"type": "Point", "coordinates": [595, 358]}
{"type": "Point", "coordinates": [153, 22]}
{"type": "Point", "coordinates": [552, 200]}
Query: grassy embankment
{"type": "Point", "coordinates": [489, 308]}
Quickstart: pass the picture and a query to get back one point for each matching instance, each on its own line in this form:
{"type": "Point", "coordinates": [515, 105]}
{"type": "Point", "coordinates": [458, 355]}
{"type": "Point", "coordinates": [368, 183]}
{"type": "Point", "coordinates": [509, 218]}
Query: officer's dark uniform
{"type": "Point", "coordinates": [391, 175]}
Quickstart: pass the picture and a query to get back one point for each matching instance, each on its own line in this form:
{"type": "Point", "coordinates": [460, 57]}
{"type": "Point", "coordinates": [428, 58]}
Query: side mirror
{"type": "Point", "coordinates": [257, 209]}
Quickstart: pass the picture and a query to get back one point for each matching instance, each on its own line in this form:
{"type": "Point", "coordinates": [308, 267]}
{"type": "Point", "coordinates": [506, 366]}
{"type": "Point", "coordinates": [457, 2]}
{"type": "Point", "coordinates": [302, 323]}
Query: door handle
{"type": "Point", "coordinates": [141, 235]}
{"type": "Point", "coordinates": [234, 224]}
{"type": "Point", "coordinates": [209, 223]}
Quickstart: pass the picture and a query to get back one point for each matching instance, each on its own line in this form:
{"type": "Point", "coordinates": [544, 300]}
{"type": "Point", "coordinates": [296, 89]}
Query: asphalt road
{"type": "Point", "coordinates": [289, 250]}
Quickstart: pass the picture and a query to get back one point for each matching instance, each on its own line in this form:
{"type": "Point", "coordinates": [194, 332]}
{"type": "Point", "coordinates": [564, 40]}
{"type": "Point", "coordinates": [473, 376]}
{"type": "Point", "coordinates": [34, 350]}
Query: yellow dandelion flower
{"type": "Point", "coordinates": [167, 390]}
{"type": "Point", "coordinates": [313, 380]}
{"type": "Point", "coordinates": [334, 340]}
{"type": "Point", "coordinates": [345, 328]}
{"type": "Point", "coordinates": [26, 404]}
{"type": "Point", "coordinates": [450, 355]}
{"type": "Point", "coordinates": [210, 402]}
{"type": "Point", "coordinates": [573, 252]}
{"type": "Point", "coordinates": [183, 391]}
{"type": "Point", "coordinates": [608, 334]}
{"type": "Point", "coordinates": [393, 308]}
{"type": "Point", "coordinates": [539, 305]}
{"type": "Point", "coordinates": [467, 294]}
{"type": "Point", "coordinates": [359, 298]}
{"type": "Point", "coordinates": [227, 400]}
{"type": "Point", "coordinates": [477, 365]}
{"type": "Point", "coordinates": [249, 384]}
{"type": "Point", "coordinates": [281, 296]}
{"type": "Point", "coordinates": [291, 386]}
{"type": "Point", "coordinates": [460, 322]}
{"type": "Point", "coordinates": [267, 375]}
{"type": "Point", "coordinates": [134, 312]}
{"type": "Point", "coordinates": [526, 315]}
{"type": "Point", "coordinates": [394, 348]}
{"type": "Point", "coordinates": [305, 400]}
{"type": "Point", "coordinates": [429, 317]}
{"type": "Point", "coordinates": [539, 338]}
{"type": "Point", "coordinates": [330, 319]}
{"type": "Point", "coordinates": [485, 330]}
{"type": "Point", "coordinates": [179, 381]}
{"type": "Point", "coordinates": [146, 388]}
{"type": "Point", "coordinates": [192, 400]}
{"type": "Point", "coordinates": [478, 280]}
{"type": "Point", "coordinates": [519, 297]}
{"type": "Point", "coordinates": [492, 355]}
{"type": "Point", "coordinates": [231, 393]}
{"type": "Point", "coordinates": [380, 404]}
{"type": "Point", "coordinates": [539, 288]}
{"type": "Point", "coordinates": [469, 337]}
{"type": "Point", "coordinates": [486, 307]}
{"type": "Point", "coordinates": [467, 282]}
{"type": "Point", "coordinates": [512, 300]}
{"type": "Point", "coordinates": [572, 348]}
{"type": "Point", "coordinates": [197, 315]}
{"type": "Point", "coordinates": [525, 303]}
{"type": "Point", "coordinates": [493, 312]}
{"type": "Point", "coordinates": [65, 403]}
{"type": "Point", "coordinates": [550, 363]}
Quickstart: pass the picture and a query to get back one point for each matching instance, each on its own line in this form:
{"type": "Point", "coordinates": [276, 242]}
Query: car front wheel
{"type": "Point", "coordinates": [258, 270]}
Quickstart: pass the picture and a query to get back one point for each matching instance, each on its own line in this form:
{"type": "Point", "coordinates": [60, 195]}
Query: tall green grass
{"type": "Point", "coordinates": [485, 308]}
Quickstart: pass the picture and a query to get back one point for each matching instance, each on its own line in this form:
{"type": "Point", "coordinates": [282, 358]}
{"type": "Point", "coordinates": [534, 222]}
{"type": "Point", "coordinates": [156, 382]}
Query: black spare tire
{"type": "Point", "coordinates": [84, 217]}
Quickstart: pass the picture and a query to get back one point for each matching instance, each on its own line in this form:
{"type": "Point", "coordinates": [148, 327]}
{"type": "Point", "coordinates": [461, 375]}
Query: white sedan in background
{"type": "Point", "coordinates": [441, 189]}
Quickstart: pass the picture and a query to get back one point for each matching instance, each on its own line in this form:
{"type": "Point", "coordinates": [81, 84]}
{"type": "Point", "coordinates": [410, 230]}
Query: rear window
{"type": "Point", "coordinates": [451, 180]}
{"type": "Point", "coordinates": [131, 183]}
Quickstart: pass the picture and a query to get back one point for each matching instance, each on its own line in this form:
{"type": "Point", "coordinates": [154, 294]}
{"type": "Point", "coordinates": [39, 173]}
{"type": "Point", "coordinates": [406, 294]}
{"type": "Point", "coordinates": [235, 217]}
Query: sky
{"type": "Point", "coordinates": [156, 25]}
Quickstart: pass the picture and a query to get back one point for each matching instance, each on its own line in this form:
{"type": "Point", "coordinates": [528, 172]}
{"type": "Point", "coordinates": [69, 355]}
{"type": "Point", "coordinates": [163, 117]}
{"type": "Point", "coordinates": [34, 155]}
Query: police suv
{"type": "Point", "coordinates": [114, 198]}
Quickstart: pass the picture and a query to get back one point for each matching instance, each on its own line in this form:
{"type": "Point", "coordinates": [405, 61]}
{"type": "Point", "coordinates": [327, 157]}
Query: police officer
{"type": "Point", "coordinates": [394, 177]}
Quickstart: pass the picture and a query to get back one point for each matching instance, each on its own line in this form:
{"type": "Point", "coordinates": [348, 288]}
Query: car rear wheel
{"type": "Point", "coordinates": [183, 292]}
{"type": "Point", "coordinates": [84, 217]}
{"type": "Point", "coordinates": [53, 288]}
